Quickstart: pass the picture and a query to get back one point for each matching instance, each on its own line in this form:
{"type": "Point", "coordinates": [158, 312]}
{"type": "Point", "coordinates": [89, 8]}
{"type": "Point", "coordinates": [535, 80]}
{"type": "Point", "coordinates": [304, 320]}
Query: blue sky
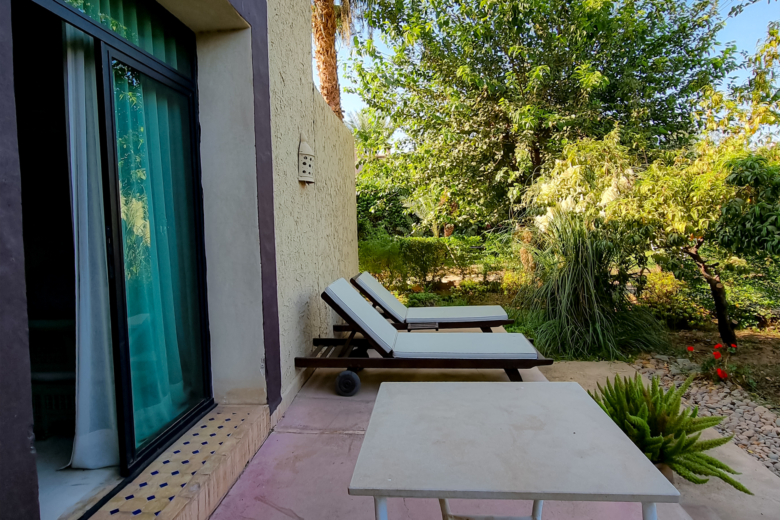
{"type": "Point", "coordinates": [746, 30]}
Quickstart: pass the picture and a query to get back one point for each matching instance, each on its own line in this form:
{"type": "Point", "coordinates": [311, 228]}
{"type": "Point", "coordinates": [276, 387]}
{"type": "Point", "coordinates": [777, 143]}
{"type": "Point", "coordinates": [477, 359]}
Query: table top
{"type": "Point", "coordinates": [517, 441]}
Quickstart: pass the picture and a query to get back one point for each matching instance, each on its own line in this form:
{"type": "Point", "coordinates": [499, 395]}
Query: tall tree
{"type": "Point", "coordinates": [329, 20]}
{"type": "Point", "coordinates": [487, 91]}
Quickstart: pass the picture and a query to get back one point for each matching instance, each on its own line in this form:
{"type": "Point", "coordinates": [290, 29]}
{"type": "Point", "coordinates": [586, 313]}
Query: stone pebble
{"type": "Point", "coordinates": [755, 427]}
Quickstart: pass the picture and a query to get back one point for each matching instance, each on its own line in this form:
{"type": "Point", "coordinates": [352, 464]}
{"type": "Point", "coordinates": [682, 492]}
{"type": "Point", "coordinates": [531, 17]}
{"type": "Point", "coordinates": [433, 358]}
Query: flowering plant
{"type": "Point", "coordinates": [718, 365]}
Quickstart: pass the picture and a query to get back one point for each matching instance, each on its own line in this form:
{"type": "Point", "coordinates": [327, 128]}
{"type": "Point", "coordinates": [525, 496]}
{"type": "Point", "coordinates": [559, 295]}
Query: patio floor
{"type": "Point", "coordinates": [303, 469]}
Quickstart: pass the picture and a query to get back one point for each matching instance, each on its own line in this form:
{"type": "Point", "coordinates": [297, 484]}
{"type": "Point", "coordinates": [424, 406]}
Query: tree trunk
{"type": "Point", "coordinates": [718, 293]}
{"type": "Point", "coordinates": [323, 21]}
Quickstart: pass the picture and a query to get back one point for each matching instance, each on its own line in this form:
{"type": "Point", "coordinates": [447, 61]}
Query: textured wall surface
{"type": "Point", "coordinates": [315, 225]}
{"type": "Point", "coordinates": [228, 165]}
{"type": "Point", "coordinates": [19, 490]}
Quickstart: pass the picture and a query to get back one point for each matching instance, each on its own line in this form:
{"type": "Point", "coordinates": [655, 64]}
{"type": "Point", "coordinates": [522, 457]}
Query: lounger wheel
{"type": "Point", "coordinates": [347, 383]}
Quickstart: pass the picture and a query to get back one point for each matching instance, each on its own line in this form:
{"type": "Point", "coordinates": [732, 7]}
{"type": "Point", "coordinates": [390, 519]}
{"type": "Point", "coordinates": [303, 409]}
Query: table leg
{"type": "Point", "coordinates": [648, 511]}
{"type": "Point", "coordinates": [536, 514]}
{"type": "Point", "coordinates": [380, 508]}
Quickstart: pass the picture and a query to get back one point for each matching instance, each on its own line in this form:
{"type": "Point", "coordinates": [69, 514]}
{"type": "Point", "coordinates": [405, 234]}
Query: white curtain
{"type": "Point", "coordinates": [96, 442]}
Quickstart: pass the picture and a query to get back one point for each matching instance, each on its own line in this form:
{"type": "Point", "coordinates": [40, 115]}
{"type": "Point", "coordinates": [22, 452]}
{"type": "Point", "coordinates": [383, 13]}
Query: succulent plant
{"type": "Point", "coordinates": [666, 432]}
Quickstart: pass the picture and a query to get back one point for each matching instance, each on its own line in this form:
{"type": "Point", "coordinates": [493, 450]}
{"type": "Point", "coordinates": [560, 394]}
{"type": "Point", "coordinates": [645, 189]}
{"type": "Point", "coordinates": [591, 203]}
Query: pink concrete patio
{"type": "Point", "coordinates": [304, 467]}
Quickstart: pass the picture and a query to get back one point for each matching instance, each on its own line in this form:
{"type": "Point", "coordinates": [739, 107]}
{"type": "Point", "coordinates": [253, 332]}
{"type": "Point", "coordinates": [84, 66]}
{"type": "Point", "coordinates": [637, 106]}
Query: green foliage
{"type": "Point", "coordinates": [424, 258]}
{"type": "Point", "coordinates": [664, 431]}
{"type": "Point", "coordinates": [484, 93]}
{"type": "Point", "coordinates": [464, 253]}
{"type": "Point", "coordinates": [381, 207]}
{"type": "Point", "coordinates": [583, 296]}
{"type": "Point", "coordinates": [671, 301]}
{"type": "Point", "coordinates": [380, 255]}
{"type": "Point", "coordinates": [751, 221]}
{"type": "Point", "coordinates": [423, 299]}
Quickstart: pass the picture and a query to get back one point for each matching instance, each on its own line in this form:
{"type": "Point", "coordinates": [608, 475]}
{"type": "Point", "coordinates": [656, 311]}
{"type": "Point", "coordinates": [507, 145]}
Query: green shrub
{"type": "Point", "coordinates": [422, 299]}
{"type": "Point", "coordinates": [666, 433]}
{"type": "Point", "coordinates": [423, 257]}
{"type": "Point", "coordinates": [380, 207]}
{"type": "Point", "coordinates": [464, 253]}
{"type": "Point", "coordinates": [670, 301]}
{"type": "Point", "coordinates": [380, 255]}
{"type": "Point", "coordinates": [587, 309]}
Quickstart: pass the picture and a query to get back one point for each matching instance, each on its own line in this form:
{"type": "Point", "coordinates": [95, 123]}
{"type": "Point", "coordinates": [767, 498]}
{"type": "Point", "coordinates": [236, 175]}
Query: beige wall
{"type": "Point", "coordinates": [316, 228]}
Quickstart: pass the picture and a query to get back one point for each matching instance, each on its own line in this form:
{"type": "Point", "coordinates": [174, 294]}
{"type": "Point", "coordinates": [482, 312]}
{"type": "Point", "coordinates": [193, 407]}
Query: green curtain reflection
{"type": "Point", "coordinates": [155, 175]}
{"type": "Point", "coordinates": [133, 21]}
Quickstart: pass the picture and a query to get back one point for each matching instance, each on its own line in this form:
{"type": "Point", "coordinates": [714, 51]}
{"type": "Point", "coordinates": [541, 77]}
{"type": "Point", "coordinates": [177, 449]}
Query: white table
{"type": "Point", "coordinates": [514, 441]}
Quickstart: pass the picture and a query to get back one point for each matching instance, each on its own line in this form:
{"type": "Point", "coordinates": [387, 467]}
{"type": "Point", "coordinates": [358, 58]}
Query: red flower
{"type": "Point", "coordinates": [722, 373]}
{"type": "Point", "coordinates": [717, 355]}
{"type": "Point", "coordinates": [690, 349]}
{"type": "Point", "coordinates": [733, 346]}
{"type": "Point", "coordinates": [718, 345]}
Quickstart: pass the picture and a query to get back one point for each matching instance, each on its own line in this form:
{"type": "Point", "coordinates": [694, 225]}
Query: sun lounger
{"type": "Point", "coordinates": [409, 350]}
{"type": "Point", "coordinates": [482, 316]}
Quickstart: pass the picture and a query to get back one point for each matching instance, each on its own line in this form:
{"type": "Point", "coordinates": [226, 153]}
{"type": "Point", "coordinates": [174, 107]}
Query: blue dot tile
{"type": "Point", "coordinates": [212, 453]}
{"type": "Point", "coordinates": [166, 461]}
{"type": "Point", "coordinates": [164, 484]}
{"type": "Point", "coordinates": [220, 444]}
{"type": "Point", "coordinates": [128, 497]}
{"type": "Point", "coordinates": [150, 497]}
{"type": "Point", "coordinates": [195, 434]}
{"type": "Point", "coordinates": [194, 472]}
{"type": "Point", "coordinates": [142, 484]}
{"type": "Point", "coordinates": [234, 427]}
{"type": "Point", "coordinates": [203, 462]}
{"type": "Point", "coordinates": [155, 472]}
{"type": "Point", "coordinates": [186, 443]}
{"type": "Point", "coordinates": [158, 512]}
{"type": "Point", "coordinates": [212, 435]}
{"type": "Point", "coordinates": [203, 426]}
{"type": "Point", "coordinates": [228, 435]}
{"type": "Point", "coordinates": [204, 443]}
{"type": "Point", "coordinates": [226, 420]}
{"type": "Point", "coordinates": [177, 451]}
{"type": "Point", "coordinates": [175, 472]}
{"type": "Point", "coordinates": [136, 512]}
{"type": "Point", "coordinates": [219, 427]}
{"type": "Point", "coordinates": [211, 419]}
{"type": "Point", "coordinates": [113, 511]}
{"type": "Point", "coordinates": [171, 498]}
{"type": "Point", "coordinates": [184, 484]}
{"type": "Point", "coordinates": [234, 413]}
{"type": "Point", "coordinates": [185, 462]}
{"type": "Point", "coordinates": [196, 451]}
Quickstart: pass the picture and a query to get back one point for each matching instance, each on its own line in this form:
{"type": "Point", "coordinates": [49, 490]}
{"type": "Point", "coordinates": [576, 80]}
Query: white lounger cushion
{"type": "Point", "coordinates": [463, 345]}
{"type": "Point", "coordinates": [455, 345]}
{"type": "Point", "coordinates": [455, 314]}
{"type": "Point", "coordinates": [353, 303]}
{"type": "Point", "coordinates": [377, 291]}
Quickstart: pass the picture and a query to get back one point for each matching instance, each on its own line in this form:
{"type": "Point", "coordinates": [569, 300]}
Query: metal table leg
{"type": "Point", "coordinates": [380, 508]}
{"type": "Point", "coordinates": [536, 514]}
{"type": "Point", "coordinates": [648, 511]}
{"type": "Point", "coordinates": [446, 513]}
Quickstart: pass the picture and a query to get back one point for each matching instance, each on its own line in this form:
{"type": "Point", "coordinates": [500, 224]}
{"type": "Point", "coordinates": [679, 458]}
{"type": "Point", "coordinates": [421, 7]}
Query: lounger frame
{"type": "Point", "coordinates": [485, 326]}
{"type": "Point", "coordinates": [352, 353]}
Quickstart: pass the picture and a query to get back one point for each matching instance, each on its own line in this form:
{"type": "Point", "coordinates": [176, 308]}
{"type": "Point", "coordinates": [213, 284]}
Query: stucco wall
{"type": "Point", "coordinates": [316, 229]}
{"type": "Point", "coordinates": [228, 165]}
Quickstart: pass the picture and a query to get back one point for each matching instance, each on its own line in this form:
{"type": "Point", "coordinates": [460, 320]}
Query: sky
{"type": "Point", "coordinates": [746, 30]}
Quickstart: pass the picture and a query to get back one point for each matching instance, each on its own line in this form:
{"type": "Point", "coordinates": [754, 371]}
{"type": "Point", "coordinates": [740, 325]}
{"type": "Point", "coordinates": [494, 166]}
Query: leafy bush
{"type": "Point", "coordinates": [380, 207]}
{"type": "Point", "coordinates": [464, 253]}
{"type": "Point", "coordinates": [423, 257]}
{"type": "Point", "coordinates": [670, 301]}
{"type": "Point", "coordinates": [587, 309]}
{"type": "Point", "coordinates": [380, 255]}
{"type": "Point", "coordinates": [422, 299]}
{"type": "Point", "coordinates": [653, 419]}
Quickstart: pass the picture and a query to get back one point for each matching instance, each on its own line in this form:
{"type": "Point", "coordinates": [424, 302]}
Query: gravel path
{"type": "Point", "coordinates": [756, 429]}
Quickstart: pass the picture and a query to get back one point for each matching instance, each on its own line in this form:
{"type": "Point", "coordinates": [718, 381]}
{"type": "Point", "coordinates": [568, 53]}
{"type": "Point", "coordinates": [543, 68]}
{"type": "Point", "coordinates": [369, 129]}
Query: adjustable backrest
{"type": "Point", "coordinates": [351, 303]}
{"type": "Point", "coordinates": [384, 298]}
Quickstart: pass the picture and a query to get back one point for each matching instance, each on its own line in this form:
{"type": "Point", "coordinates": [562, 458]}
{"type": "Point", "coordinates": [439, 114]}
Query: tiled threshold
{"type": "Point", "coordinates": [188, 481]}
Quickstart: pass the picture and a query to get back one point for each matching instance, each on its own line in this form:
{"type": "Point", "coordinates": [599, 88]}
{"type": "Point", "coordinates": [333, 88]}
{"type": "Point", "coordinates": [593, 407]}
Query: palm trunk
{"type": "Point", "coordinates": [718, 293]}
{"type": "Point", "coordinates": [324, 27]}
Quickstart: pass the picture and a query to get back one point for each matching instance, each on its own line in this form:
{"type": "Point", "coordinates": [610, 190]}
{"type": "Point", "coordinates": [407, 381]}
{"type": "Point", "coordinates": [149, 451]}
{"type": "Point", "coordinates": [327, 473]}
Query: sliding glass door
{"type": "Point", "coordinates": [155, 174]}
{"type": "Point", "coordinates": [145, 150]}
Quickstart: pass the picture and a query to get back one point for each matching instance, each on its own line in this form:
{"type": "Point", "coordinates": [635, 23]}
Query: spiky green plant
{"type": "Point", "coordinates": [665, 432]}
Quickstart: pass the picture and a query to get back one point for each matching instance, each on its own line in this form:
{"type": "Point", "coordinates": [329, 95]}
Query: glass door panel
{"type": "Point", "coordinates": [155, 174]}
